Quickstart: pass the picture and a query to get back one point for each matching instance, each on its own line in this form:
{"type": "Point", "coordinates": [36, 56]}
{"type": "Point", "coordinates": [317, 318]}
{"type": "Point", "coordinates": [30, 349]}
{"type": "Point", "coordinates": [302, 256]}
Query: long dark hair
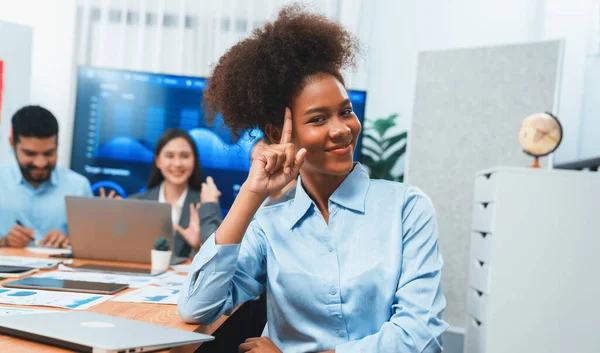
{"type": "Point", "coordinates": [156, 177]}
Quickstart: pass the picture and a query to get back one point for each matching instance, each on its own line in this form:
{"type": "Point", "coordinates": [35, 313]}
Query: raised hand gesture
{"type": "Point", "coordinates": [191, 234]}
{"type": "Point", "coordinates": [275, 165]}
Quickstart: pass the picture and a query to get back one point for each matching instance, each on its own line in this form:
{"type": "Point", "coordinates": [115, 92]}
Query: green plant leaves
{"type": "Point", "coordinates": [367, 160]}
{"type": "Point", "coordinates": [371, 150]}
{"type": "Point", "coordinates": [391, 141]}
{"type": "Point", "coordinates": [376, 144]}
{"type": "Point", "coordinates": [162, 244]}
{"type": "Point", "coordinates": [382, 125]}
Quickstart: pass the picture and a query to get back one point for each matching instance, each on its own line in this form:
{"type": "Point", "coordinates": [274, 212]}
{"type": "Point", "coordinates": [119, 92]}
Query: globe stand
{"type": "Point", "coordinates": [536, 163]}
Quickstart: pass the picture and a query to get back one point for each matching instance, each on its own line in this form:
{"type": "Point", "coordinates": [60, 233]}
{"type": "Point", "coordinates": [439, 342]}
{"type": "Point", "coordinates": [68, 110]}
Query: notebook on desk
{"type": "Point", "coordinates": [91, 332]}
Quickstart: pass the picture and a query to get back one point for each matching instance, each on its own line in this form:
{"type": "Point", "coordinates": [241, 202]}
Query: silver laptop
{"type": "Point", "coordinates": [117, 230]}
{"type": "Point", "coordinates": [91, 332]}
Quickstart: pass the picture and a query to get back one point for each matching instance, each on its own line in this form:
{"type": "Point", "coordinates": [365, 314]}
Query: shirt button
{"type": "Point", "coordinates": [332, 290]}
{"type": "Point", "coordinates": [330, 248]}
{"type": "Point", "coordinates": [340, 333]}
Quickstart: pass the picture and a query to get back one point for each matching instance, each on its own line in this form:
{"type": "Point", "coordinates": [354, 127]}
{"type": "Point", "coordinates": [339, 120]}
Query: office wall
{"type": "Point", "coordinates": [15, 51]}
{"type": "Point", "coordinates": [590, 123]}
{"type": "Point", "coordinates": [577, 22]}
{"type": "Point", "coordinates": [590, 119]}
{"type": "Point", "coordinates": [393, 33]}
{"type": "Point", "coordinates": [469, 105]}
{"type": "Point", "coordinates": [53, 25]}
{"type": "Point", "coordinates": [402, 29]}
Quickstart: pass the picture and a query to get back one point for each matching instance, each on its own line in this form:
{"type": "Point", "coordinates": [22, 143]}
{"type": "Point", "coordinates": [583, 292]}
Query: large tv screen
{"type": "Point", "coordinates": [120, 115]}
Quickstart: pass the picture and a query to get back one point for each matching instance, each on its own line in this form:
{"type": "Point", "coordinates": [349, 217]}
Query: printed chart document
{"type": "Point", "coordinates": [132, 281]}
{"type": "Point", "coordinates": [172, 281]}
{"type": "Point", "coordinates": [154, 295]}
{"type": "Point", "coordinates": [66, 300]}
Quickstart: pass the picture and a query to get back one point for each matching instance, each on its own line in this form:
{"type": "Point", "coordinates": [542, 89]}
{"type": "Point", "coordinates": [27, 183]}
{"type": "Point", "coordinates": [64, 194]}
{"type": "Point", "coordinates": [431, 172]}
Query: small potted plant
{"type": "Point", "coordinates": [161, 255]}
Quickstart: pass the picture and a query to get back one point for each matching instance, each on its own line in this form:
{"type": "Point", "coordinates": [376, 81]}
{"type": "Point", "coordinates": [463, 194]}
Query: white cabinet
{"type": "Point", "coordinates": [484, 217]}
{"type": "Point", "coordinates": [534, 281]}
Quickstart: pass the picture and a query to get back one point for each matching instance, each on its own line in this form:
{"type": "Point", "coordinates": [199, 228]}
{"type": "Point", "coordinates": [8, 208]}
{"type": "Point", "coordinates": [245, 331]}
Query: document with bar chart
{"type": "Point", "coordinates": [65, 300]}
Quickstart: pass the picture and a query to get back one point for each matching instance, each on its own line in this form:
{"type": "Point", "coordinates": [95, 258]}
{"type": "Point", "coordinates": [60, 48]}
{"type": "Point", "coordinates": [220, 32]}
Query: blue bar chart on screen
{"type": "Point", "coordinates": [120, 115]}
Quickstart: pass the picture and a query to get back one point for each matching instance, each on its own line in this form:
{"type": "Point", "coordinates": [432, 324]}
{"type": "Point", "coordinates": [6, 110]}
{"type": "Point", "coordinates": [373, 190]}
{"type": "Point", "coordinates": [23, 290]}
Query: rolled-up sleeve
{"type": "Point", "coordinates": [416, 325]}
{"type": "Point", "coordinates": [222, 277]}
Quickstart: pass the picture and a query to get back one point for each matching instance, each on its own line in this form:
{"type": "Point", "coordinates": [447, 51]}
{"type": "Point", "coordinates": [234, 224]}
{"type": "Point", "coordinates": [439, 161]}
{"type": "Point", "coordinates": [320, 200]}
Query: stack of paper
{"type": "Point", "coordinates": [48, 251]}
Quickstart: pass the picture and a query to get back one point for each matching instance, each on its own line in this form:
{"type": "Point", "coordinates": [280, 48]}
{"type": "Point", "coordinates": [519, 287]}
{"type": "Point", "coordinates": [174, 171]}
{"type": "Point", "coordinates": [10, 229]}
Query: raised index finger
{"type": "Point", "coordinates": [286, 133]}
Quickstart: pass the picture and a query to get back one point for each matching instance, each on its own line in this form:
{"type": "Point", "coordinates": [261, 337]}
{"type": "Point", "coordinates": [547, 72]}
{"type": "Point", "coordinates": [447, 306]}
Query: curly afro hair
{"type": "Point", "coordinates": [258, 77]}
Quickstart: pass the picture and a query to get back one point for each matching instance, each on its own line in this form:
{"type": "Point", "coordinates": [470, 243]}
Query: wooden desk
{"type": "Point", "coordinates": [160, 314]}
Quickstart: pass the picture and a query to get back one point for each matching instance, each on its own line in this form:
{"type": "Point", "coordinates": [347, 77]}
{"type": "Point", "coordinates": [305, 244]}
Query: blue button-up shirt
{"type": "Point", "coordinates": [369, 281]}
{"type": "Point", "coordinates": [42, 209]}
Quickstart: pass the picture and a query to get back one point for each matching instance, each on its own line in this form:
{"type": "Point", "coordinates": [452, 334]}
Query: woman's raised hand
{"type": "Point", "coordinates": [275, 165]}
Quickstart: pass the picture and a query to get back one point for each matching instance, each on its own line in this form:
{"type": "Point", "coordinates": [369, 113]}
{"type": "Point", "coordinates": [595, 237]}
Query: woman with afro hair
{"type": "Point", "coordinates": [350, 264]}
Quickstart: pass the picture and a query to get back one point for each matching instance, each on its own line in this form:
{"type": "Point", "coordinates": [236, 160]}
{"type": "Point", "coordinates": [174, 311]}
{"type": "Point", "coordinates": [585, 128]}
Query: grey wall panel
{"type": "Point", "coordinates": [468, 108]}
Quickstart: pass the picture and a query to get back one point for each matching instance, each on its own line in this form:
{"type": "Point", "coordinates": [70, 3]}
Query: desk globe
{"type": "Point", "coordinates": [540, 135]}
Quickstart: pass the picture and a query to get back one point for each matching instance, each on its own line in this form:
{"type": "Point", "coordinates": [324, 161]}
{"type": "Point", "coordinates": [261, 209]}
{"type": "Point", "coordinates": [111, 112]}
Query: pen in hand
{"type": "Point", "coordinates": [33, 238]}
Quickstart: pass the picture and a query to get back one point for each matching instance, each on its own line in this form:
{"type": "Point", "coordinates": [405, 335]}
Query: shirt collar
{"type": "Point", "coordinates": [351, 194]}
{"type": "Point", "coordinates": [180, 202]}
{"type": "Point", "coordinates": [54, 177]}
{"type": "Point", "coordinates": [353, 191]}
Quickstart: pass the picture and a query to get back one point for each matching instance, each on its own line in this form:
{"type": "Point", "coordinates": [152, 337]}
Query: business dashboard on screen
{"type": "Point", "coordinates": [120, 115]}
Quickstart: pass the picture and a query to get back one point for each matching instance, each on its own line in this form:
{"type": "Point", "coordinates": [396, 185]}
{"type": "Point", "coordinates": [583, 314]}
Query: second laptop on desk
{"type": "Point", "coordinates": [117, 230]}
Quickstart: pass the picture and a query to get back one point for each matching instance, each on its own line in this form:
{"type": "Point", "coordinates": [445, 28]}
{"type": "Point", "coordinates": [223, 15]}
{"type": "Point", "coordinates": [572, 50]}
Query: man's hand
{"type": "Point", "coordinates": [111, 195]}
{"type": "Point", "coordinates": [55, 239]}
{"type": "Point", "coordinates": [19, 236]}
{"type": "Point", "coordinates": [259, 345]}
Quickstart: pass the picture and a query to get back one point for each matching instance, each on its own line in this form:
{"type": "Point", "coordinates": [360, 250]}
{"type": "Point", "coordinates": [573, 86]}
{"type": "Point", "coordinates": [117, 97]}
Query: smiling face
{"type": "Point", "coordinates": [176, 161]}
{"type": "Point", "coordinates": [325, 124]}
{"type": "Point", "coordinates": [36, 157]}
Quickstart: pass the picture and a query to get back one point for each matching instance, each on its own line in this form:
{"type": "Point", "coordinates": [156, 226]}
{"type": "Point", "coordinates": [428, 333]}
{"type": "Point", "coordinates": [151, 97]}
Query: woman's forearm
{"type": "Point", "coordinates": [235, 224]}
